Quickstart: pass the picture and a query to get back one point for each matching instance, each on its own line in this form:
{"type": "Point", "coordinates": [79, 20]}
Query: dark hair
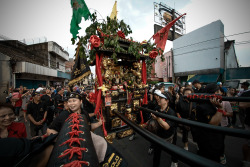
{"type": "Point", "coordinates": [25, 91]}
{"type": "Point", "coordinates": [186, 89]}
{"type": "Point", "coordinates": [15, 90]}
{"type": "Point", "coordinates": [6, 105]}
{"type": "Point", "coordinates": [161, 85]}
{"type": "Point", "coordinates": [246, 84]}
{"type": "Point", "coordinates": [153, 91]}
{"type": "Point", "coordinates": [195, 81]}
{"type": "Point", "coordinates": [211, 88]}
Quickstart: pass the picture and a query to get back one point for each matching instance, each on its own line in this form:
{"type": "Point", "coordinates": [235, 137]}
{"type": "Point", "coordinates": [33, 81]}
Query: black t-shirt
{"type": "Point", "coordinates": [210, 142]}
{"type": "Point", "coordinates": [88, 106]}
{"type": "Point", "coordinates": [36, 110]}
{"type": "Point", "coordinates": [47, 100]}
{"type": "Point", "coordinates": [58, 100]}
{"type": "Point", "coordinates": [205, 111]}
{"type": "Point", "coordinates": [201, 90]}
{"type": "Point", "coordinates": [183, 108]}
{"type": "Point", "coordinates": [247, 118]}
{"type": "Point", "coordinates": [168, 133]}
{"type": "Point", "coordinates": [59, 121]}
{"type": "Point", "coordinates": [152, 105]}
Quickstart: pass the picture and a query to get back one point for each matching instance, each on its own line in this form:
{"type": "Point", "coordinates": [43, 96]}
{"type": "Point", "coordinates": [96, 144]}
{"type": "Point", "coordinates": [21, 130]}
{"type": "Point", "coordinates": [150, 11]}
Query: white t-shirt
{"type": "Point", "coordinates": [39, 89]}
{"type": "Point", "coordinates": [228, 108]}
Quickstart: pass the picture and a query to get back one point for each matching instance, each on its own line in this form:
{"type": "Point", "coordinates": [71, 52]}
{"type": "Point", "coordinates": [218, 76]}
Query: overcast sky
{"type": "Point", "coordinates": [34, 19]}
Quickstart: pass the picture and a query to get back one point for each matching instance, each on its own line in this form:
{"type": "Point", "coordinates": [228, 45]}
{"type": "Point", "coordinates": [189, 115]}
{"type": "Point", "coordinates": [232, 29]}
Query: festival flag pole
{"type": "Point", "coordinates": [113, 14]}
{"type": "Point", "coordinates": [80, 10]}
{"type": "Point", "coordinates": [162, 35]}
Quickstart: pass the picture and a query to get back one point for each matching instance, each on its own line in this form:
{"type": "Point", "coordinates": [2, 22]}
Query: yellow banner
{"type": "Point", "coordinates": [190, 76]}
{"type": "Point", "coordinates": [113, 14]}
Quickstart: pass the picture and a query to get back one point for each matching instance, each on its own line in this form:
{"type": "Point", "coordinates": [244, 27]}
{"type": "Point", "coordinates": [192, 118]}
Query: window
{"type": "Point", "coordinates": [57, 65]}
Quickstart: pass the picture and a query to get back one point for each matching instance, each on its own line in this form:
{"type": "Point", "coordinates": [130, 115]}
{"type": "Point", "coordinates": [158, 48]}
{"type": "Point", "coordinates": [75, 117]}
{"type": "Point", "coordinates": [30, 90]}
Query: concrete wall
{"type": "Point", "coordinates": [231, 61]}
{"type": "Point", "coordinates": [54, 47]}
{"type": "Point", "coordinates": [164, 69]}
{"type": "Point", "coordinates": [5, 76]}
{"type": "Point", "coordinates": [201, 49]}
{"type": "Point", "coordinates": [61, 64]}
{"type": "Point", "coordinates": [42, 55]}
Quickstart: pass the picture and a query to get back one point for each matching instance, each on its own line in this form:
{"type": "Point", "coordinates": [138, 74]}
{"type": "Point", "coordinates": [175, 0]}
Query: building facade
{"type": "Point", "coordinates": [164, 69]}
{"type": "Point", "coordinates": [202, 54]}
{"type": "Point", "coordinates": [31, 65]}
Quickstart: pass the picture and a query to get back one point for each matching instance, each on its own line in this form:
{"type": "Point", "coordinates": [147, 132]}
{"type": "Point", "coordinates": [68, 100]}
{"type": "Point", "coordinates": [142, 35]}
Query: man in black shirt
{"type": "Point", "coordinates": [167, 128]}
{"type": "Point", "coordinates": [59, 101]}
{"type": "Point", "coordinates": [198, 87]}
{"type": "Point", "coordinates": [210, 112]}
{"type": "Point", "coordinates": [183, 110]}
{"type": "Point", "coordinates": [245, 106]}
{"type": "Point", "coordinates": [49, 103]}
{"type": "Point", "coordinates": [37, 114]}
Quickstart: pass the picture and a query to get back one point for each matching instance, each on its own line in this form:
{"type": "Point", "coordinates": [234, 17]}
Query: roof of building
{"type": "Point", "coordinates": [228, 44]}
{"type": "Point", "coordinates": [18, 51]}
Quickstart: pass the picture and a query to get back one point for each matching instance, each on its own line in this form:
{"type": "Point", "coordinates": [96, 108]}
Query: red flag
{"type": "Point", "coordinates": [162, 35]}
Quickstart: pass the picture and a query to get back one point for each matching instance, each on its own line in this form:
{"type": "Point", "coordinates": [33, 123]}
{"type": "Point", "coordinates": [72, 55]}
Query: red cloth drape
{"type": "Point", "coordinates": [99, 91]}
{"type": "Point", "coordinates": [144, 81]}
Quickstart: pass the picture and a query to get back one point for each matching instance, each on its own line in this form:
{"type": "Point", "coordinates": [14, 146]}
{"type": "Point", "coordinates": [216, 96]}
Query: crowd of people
{"type": "Point", "coordinates": [44, 111]}
{"type": "Point", "coordinates": [214, 112]}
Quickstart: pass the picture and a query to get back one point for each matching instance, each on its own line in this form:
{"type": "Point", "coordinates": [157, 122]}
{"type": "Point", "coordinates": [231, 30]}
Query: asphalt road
{"type": "Point", "coordinates": [136, 151]}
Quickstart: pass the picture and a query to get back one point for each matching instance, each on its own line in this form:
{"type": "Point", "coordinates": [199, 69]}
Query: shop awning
{"type": "Point", "coordinates": [205, 78]}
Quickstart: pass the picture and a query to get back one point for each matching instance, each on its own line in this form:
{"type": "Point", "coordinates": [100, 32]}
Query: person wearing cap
{"type": "Point", "coordinates": [222, 87]}
{"type": "Point", "coordinates": [152, 105]}
{"type": "Point", "coordinates": [198, 87]}
{"type": "Point", "coordinates": [40, 87]}
{"type": "Point", "coordinates": [37, 114]}
{"type": "Point", "coordinates": [210, 112]}
{"type": "Point", "coordinates": [74, 105]}
{"type": "Point", "coordinates": [167, 128]}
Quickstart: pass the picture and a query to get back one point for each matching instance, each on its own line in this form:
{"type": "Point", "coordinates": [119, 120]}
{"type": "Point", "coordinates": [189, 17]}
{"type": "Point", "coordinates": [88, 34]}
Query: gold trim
{"type": "Point", "coordinates": [125, 133]}
{"type": "Point", "coordinates": [109, 138]}
{"type": "Point", "coordinates": [115, 93]}
{"type": "Point", "coordinates": [114, 106]}
{"type": "Point", "coordinates": [111, 157]}
{"type": "Point", "coordinates": [79, 78]}
{"type": "Point", "coordinates": [116, 122]}
{"type": "Point", "coordinates": [136, 103]}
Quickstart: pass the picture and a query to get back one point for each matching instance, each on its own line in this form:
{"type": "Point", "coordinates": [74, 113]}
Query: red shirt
{"type": "Point", "coordinates": [19, 102]}
{"type": "Point", "coordinates": [17, 130]}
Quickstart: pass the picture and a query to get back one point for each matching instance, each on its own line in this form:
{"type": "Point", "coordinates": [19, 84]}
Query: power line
{"type": "Point", "coordinates": [212, 39]}
{"type": "Point", "coordinates": [199, 50]}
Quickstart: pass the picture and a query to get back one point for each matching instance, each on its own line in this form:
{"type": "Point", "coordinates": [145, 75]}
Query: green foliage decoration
{"type": "Point", "coordinates": [110, 27]}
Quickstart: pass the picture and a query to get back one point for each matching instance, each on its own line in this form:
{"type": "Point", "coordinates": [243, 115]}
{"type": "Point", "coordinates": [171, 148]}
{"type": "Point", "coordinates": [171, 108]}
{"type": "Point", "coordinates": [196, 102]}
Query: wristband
{"type": "Point", "coordinates": [44, 136]}
{"type": "Point", "coordinates": [221, 111]}
{"type": "Point", "coordinates": [44, 119]}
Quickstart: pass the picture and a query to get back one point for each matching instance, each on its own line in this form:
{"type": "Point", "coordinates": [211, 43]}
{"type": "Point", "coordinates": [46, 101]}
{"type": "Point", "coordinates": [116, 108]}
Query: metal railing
{"type": "Point", "coordinates": [223, 130]}
{"type": "Point", "coordinates": [183, 155]}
